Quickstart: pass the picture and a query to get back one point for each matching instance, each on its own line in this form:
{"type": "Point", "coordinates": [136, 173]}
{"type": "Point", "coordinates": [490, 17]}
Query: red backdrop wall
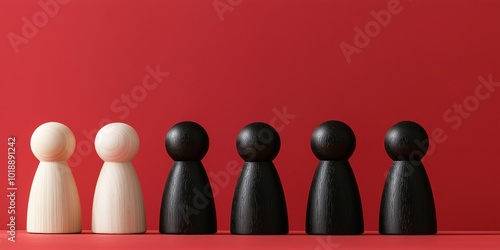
{"type": "Point", "coordinates": [294, 64]}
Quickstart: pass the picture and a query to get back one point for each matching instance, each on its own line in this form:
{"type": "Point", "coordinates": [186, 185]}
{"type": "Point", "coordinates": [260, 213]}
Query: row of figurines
{"type": "Point", "coordinates": [259, 206]}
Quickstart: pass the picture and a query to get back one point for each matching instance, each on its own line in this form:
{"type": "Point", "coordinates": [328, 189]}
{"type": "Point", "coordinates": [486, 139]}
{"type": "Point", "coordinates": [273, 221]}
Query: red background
{"type": "Point", "coordinates": [261, 57]}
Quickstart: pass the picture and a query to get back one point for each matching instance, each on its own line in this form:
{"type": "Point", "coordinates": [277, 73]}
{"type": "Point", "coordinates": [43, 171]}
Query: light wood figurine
{"type": "Point", "coordinates": [54, 204]}
{"type": "Point", "coordinates": [118, 206]}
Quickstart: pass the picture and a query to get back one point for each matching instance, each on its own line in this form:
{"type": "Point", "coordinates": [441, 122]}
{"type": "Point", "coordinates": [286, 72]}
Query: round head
{"type": "Point", "coordinates": [258, 142]}
{"type": "Point", "coordinates": [406, 141]}
{"type": "Point", "coordinates": [117, 142]}
{"type": "Point", "coordinates": [187, 141]}
{"type": "Point", "coordinates": [333, 140]}
{"type": "Point", "coordinates": [52, 141]}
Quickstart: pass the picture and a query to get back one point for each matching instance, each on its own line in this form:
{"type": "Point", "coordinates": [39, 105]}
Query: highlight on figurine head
{"type": "Point", "coordinates": [117, 142]}
{"type": "Point", "coordinates": [52, 141]}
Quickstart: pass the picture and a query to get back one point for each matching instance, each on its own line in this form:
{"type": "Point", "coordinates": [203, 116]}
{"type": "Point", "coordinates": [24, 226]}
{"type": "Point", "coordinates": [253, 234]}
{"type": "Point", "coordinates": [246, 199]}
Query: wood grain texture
{"type": "Point", "coordinates": [259, 205]}
{"type": "Point", "coordinates": [334, 204]}
{"type": "Point", "coordinates": [118, 206]}
{"type": "Point", "coordinates": [407, 205]}
{"type": "Point", "coordinates": [187, 205]}
{"type": "Point", "coordinates": [54, 203]}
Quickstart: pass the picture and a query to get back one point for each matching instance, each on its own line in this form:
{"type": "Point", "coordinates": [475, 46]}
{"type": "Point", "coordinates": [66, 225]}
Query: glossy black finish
{"type": "Point", "coordinates": [334, 204]}
{"type": "Point", "coordinates": [259, 205]}
{"type": "Point", "coordinates": [187, 205]}
{"type": "Point", "coordinates": [407, 206]}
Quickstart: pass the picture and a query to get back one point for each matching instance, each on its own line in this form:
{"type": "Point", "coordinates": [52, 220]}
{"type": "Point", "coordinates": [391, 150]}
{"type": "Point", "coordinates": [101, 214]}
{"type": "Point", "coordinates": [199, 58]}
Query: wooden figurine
{"type": "Point", "coordinates": [54, 204]}
{"type": "Point", "coordinates": [187, 205]}
{"type": "Point", "coordinates": [118, 206]}
{"type": "Point", "coordinates": [259, 205]}
{"type": "Point", "coordinates": [334, 204]}
{"type": "Point", "coordinates": [407, 202]}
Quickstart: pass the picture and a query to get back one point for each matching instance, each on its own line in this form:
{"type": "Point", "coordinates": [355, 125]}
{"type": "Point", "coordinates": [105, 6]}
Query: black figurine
{"type": "Point", "coordinates": [334, 204]}
{"type": "Point", "coordinates": [187, 206]}
{"type": "Point", "coordinates": [407, 202]}
{"type": "Point", "coordinates": [259, 205]}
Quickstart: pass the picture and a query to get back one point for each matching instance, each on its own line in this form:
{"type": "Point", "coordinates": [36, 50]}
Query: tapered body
{"type": "Point", "coordinates": [407, 202]}
{"type": "Point", "coordinates": [54, 203]}
{"type": "Point", "coordinates": [407, 205]}
{"type": "Point", "coordinates": [187, 205]}
{"type": "Point", "coordinates": [259, 205]}
{"type": "Point", "coordinates": [334, 204]}
{"type": "Point", "coordinates": [118, 206]}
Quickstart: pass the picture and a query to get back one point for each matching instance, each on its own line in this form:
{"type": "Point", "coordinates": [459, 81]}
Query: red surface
{"type": "Point", "coordinates": [263, 57]}
{"type": "Point", "coordinates": [444, 240]}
